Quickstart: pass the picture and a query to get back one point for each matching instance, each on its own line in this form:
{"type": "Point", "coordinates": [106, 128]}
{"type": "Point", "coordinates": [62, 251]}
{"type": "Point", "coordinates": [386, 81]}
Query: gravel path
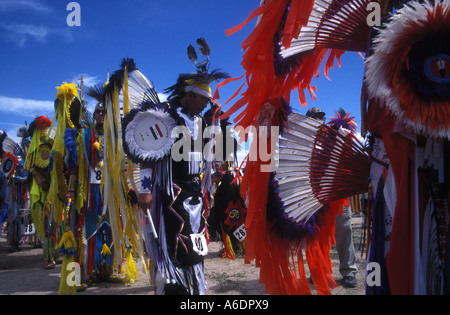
{"type": "Point", "coordinates": [23, 273]}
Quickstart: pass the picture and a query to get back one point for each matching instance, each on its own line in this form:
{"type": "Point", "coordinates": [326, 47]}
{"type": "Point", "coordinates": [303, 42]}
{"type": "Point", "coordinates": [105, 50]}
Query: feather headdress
{"type": "Point", "coordinates": [204, 50]}
{"type": "Point", "coordinates": [97, 92]}
{"type": "Point", "coordinates": [37, 131]}
{"type": "Point", "coordinates": [199, 80]}
{"type": "Point", "coordinates": [40, 123]}
{"type": "Point", "coordinates": [343, 119]}
{"type": "Point", "coordinates": [196, 82]}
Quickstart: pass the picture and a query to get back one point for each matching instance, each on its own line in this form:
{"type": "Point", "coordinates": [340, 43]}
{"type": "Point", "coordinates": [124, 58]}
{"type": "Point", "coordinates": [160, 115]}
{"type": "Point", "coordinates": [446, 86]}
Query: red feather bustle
{"type": "Point", "coordinates": [280, 260]}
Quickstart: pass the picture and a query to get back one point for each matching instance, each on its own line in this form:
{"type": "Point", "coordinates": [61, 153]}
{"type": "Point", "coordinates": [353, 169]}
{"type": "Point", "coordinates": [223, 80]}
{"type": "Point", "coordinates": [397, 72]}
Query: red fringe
{"type": "Point", "coordinates": [262, 83]}
{"type": "Point", "coordinates": [280, 273]}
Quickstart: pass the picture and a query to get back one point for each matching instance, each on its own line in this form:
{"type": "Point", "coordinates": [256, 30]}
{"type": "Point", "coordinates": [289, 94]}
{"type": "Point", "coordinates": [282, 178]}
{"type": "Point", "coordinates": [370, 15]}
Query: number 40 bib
{"type": "Point", "coordinates": [199, 244]}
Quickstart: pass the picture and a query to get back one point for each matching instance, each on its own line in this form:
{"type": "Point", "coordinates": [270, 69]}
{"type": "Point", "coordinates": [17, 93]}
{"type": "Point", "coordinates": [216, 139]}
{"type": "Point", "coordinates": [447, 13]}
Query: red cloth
{"type": "Point", "coordinates": [400, 258]}
{"type": "Point", "coordinates": [401, 151]}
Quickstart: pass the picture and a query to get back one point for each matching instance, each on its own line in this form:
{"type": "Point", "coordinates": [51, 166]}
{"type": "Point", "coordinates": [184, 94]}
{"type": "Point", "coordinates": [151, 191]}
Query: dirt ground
{"type": "Point", "coordinates": [22, 273]}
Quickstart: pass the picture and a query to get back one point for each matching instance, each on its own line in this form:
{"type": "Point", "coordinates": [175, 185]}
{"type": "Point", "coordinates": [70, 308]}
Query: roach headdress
{"type": "Point", "coordinates": [343, 119]}
{"type": "Point", "coordinates": [196, 82]}
{"type": "Point", "coordinates": [97, 92]}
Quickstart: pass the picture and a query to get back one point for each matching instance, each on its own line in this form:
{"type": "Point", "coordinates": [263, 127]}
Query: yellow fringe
{"type": "Point", "coordinates": [83, 169]}
{"type": "Point", "coordinates": [230, 246]}
{"type": "Point", "coordinates": [105, 250]}
{"type": "Point", "coordinates": [68, 240]}
{"type": "Point", "coordinates": [132, 273]}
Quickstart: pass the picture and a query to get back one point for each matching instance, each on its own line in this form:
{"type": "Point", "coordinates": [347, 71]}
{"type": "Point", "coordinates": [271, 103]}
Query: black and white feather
{"type": "Point", "coordinates": [140, 89]}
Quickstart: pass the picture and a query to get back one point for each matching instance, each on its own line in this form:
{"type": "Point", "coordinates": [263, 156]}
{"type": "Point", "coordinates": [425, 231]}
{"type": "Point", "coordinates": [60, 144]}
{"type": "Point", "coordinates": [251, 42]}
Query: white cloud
{"type": "Point", "coordinates": [36, 32]}
{"type": "Point", "coordinates": [21, 33]}
{"type": "Point", "coordinates": [33, 5]}
{"type": "Point", "coordinates": [88, 80]}
{"type": "Point", "coordinates": [25, 107]}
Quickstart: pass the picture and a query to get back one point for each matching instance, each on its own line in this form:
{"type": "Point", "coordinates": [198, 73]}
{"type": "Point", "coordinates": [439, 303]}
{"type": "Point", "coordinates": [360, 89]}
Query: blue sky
{"type": "Point", "coordinates": [39, 51]}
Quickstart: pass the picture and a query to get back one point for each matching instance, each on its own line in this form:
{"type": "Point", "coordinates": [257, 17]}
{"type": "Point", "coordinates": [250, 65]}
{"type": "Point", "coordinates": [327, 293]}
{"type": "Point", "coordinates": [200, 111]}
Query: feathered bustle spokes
{"type": "Point", "coordinates": [339, 166]}
{"type": "Point", "coordinates": [141, 90]}
{"type": "Point", "coordinates": [317, 165]}
{"type": "Point", "coordinates": [292, 174]}
{"type": "Point", "coordinates": [9, 145]}
{"type": "Point", "coordinates": [333, 24]}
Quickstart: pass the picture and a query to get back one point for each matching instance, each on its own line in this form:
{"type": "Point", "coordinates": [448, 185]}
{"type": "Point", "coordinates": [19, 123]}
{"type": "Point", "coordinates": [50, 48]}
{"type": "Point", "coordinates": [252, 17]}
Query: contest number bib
{"type": "Point", "coordinates": [199, 244]}
{"type": "Point", "coordinates": [240, 233]}
{"type": "Point", "coordinates": [96, 175]}
{"type": "Point", "coordinates": [29, 229]}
